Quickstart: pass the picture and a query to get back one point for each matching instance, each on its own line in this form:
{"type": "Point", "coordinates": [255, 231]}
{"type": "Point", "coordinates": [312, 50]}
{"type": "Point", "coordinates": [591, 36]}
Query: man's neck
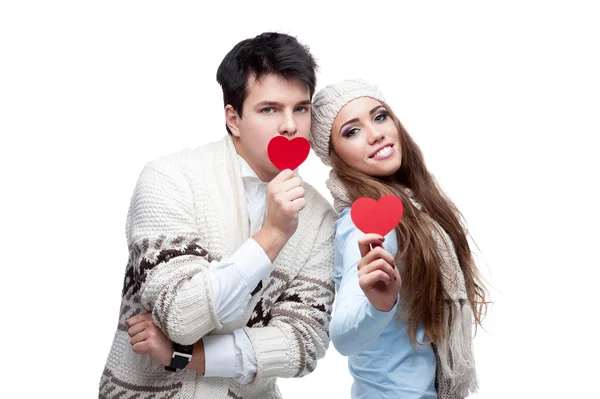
{"type": "Point", "coordinates": [263, 176]}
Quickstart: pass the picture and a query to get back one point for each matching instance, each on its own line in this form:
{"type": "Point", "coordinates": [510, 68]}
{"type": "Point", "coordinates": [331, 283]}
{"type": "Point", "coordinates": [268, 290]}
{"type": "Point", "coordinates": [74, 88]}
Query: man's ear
{"type": "Point", "coordinates": [232, 120]}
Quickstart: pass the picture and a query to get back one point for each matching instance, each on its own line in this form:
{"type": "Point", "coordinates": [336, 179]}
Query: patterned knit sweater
{"type": "Point", "coordinates": [189, 209]}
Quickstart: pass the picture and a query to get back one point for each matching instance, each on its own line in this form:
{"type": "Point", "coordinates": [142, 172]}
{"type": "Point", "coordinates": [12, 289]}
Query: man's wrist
{"type": "Point", "coordinates": [198, 358]}
{"type": "Point", "coordinates": [271, 240]}
{"type": "Point", "coordinates": [274, 233]}
{"type": "Point", "coordinates": [181, 356]}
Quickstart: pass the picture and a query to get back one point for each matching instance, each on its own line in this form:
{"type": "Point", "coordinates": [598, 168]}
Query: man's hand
{"type": "Point", "coordinates": [378, 276]}
{"type": "Point", "coordinates": [285, 200]}
{"type": "Point", "coordinates": [147, 338]}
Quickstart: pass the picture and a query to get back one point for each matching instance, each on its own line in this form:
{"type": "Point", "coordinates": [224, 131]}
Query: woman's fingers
{"type": "Point", "coordinates": [376, 253]}
{"type": "Point", "coordinates": [368, 281]}
{"type": "Point", "coordinates": [379, 264]}
{"type": "Point", "coordinates": [366, 241]}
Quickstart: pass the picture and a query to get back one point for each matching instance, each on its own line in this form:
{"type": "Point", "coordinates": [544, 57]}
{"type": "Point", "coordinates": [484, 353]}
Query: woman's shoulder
{"type": "Point", "coordinates": [344, 225]}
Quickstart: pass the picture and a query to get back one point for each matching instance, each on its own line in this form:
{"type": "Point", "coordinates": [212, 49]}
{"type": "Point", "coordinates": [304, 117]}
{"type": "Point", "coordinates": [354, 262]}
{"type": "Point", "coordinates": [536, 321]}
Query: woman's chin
{"type": "Point", "coordinates": [385, 170]}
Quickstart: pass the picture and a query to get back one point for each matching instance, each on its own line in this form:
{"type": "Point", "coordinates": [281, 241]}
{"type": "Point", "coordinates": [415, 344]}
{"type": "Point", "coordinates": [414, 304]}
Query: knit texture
{"type": "Point", "coordinates": [456, 376]}
{"type": "Point", "coordinates": [326, 105]}
{"type": "Point", "coordinates": [189, 209]}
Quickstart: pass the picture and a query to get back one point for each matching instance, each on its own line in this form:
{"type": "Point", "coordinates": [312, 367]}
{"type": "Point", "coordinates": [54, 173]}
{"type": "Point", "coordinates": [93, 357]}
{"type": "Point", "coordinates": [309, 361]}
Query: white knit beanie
{"type": "Point", "coordinates": [326, 105]}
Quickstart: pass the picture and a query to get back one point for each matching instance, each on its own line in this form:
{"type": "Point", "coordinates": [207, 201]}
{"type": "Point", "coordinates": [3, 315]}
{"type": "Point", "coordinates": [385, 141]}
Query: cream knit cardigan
{"type": "Point", "coordinates": [189, 209]}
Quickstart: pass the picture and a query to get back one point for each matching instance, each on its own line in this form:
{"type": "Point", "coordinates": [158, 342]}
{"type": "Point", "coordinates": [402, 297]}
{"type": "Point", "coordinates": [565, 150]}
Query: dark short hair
{"type": "Point", "coordinates": [267, 53]}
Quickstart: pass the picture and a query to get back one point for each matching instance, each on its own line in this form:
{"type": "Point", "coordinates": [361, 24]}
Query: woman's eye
{"type": "Point", "coordinates": [380, 118]}
{"type": "Point", "coordinates": [352, 132]}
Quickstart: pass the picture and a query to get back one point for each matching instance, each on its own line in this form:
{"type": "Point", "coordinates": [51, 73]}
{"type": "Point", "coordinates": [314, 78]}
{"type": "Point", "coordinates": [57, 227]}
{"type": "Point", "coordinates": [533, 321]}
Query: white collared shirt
{"type": "Point", "coordinates": [233, 279]}
{"type": "Point", "coordinates": [256, 196]}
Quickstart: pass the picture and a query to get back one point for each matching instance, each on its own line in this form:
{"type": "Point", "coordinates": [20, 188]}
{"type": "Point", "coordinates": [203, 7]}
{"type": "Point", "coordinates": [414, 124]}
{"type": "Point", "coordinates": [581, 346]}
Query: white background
{"type": "Point", "coordinates": [502, 97]}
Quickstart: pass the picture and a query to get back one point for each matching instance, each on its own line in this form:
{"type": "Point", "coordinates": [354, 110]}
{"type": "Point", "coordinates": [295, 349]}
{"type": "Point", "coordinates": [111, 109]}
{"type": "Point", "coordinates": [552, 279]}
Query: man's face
{"type": "Point", "coordinates": [274, 106]}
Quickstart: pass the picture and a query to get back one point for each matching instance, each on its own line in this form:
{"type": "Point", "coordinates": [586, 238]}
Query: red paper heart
{"type": "Point", "coordinates": [288, 154]}
{"type": "Point", "coordinates": [379, 216]}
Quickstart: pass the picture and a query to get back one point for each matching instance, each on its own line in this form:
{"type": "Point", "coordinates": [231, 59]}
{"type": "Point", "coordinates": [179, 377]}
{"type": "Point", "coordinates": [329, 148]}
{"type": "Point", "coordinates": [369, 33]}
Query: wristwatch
{"type": "Point", "coordinates": [182, 355]}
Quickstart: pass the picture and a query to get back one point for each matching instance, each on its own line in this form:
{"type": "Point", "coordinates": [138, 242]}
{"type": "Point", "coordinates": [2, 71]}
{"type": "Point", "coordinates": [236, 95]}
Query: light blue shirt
{"type": "Point", "coordinates": [381, 358]}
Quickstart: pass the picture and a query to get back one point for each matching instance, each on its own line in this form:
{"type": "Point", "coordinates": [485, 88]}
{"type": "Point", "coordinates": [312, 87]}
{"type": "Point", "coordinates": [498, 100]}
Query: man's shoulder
{"type": "Point", "coordinates": [314, 197]}
{"type": "Point", "coordinates": [170, 159]}
{"type": "Point", "coordinates": [181, 160]}
{"type": "Point", "coordinates": [318, 215]}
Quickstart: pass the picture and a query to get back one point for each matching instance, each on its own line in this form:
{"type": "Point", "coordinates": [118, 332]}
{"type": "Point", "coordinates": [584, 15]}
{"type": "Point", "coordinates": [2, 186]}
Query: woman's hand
{"type": "Point", "coordinates": [147, 338]}
{"type": "Point", "coordinates": [378, 276]}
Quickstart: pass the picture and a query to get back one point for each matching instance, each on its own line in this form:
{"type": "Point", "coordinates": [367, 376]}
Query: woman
{"type": "Point", "coordinates": [405, 308]}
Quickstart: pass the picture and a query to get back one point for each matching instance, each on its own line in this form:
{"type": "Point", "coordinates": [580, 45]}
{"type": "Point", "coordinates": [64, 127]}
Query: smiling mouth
{"type": "Point", "coordinates": [383, 152]}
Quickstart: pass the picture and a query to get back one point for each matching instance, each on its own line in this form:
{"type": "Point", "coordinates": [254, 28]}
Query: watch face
{"type": "Point", "coordinates": [188, 349]}
{"type": "Point", "coordinates": [182, 354]}
{"type": "Point", "coordinates": [179, 362]}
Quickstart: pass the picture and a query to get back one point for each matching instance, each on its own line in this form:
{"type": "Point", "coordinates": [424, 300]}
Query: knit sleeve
{"type": "Point", "coordinates": [296, 334]}
{"type": "Point", "coordinates": [166, 251]}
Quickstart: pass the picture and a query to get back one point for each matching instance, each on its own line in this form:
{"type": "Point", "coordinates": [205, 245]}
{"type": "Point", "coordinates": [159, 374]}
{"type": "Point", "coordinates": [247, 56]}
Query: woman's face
{"type": "Point", "coordinates": [366, 138]}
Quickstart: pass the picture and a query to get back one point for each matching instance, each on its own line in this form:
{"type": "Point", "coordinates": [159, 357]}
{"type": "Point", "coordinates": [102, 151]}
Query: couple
{"type": "Point", "coordinates": [233, 265]}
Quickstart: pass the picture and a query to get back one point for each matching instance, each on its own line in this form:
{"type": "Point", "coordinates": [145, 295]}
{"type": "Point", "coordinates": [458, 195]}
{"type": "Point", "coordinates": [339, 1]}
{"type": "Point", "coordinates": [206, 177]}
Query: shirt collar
{"type": "Point", "coordinates": [248, 173]}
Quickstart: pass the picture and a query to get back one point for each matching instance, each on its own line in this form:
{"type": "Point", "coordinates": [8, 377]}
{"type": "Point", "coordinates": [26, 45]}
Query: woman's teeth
{"type": "Point", "coordinates": [384, 151]}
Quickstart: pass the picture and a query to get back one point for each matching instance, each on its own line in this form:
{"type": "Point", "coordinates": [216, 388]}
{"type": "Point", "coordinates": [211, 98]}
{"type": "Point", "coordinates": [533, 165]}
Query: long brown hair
{"type": "Point", "coordinates": [422, 294]}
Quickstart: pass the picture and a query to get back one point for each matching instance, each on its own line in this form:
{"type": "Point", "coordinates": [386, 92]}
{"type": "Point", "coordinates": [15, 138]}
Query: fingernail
{"type": "Point", "coordinates": [382, 239]}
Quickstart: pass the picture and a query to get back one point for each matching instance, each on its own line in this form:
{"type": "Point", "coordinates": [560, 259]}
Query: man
{"type": "Point", "coordinates": [232, 257]}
